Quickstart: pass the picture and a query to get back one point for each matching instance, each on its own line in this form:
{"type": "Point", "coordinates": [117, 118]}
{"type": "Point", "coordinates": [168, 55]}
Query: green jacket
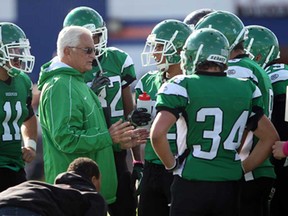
{"type": "Point", "coordinates": [73, 125]}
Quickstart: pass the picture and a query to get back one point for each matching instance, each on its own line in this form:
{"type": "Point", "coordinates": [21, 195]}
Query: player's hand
{"type": "Point", "coordinates": [28, 154]}
{"type": "Point", "coordinates": [99, 82]}
{"type": "Point", "coordinates": [121, 132]}
{"type": "Point", "coordinates": [139, 117]}
{"type": "Point", "coordinates": [278, 150]}
{"type": "Point", "coordinates": [138, 137]}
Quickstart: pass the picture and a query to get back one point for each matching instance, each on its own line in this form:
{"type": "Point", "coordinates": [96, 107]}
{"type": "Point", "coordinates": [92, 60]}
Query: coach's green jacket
{"type": "Point", "coordinates": [73, 125]}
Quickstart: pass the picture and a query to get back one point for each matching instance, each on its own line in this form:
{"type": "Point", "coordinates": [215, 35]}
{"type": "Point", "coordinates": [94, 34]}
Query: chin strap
{"type": "Point", "coordinates": [163, 67]}
{"type": "Point", "coordinates": [12, 72]}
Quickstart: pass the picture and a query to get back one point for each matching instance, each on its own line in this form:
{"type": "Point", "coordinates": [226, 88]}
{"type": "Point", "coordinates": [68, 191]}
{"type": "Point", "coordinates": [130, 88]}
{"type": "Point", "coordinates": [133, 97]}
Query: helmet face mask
{"type": "Point", "coordinates": [262, 45]}
{"type": "Point", "coordinates": [101, 45]}
{"type": "Point", "coordinates": [204, 45]}
{"type": "Point", "coordinates": [171, 36]}
{"type": "Point", "coordinates": [92, 20]}
{"type": "Point", "coordinates": [15, 50]}
{"type": "Point", "coordinates": [157, 52]}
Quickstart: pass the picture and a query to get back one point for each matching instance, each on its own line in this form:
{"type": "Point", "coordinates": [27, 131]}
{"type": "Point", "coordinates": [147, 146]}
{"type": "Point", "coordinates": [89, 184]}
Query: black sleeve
{"type": "Point", "coordinates": [252, 122]}
{"type": "Point", "coordinates": [30, 108]}
{"type": "Point", "coordinates": [107, 115]}
{"type": "Point", "coordinates": [278, 119]}
{"type": "Point", "coordinates": [175, 112]}
{"type": "Point", "coordinates": [278, 116]}
{"type": "Point", "coordinates": [98, 206]}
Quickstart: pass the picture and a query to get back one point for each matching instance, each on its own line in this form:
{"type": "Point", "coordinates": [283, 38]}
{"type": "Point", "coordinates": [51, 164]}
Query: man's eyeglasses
{"type": "Point", "coordinates": [87, 50]}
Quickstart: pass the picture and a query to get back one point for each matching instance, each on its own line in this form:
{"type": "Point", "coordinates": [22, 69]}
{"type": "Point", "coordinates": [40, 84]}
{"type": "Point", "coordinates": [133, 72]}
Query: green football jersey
{"type": "Point", "coordinates": [212, 111]}
{"type": "Point", "coordinates": [278, 74]}
{"type": "Point", "coordinates": [151, 83]}
{"type": "Point", "coordinates": [244, 67]}
{"type": "Point", "coordinates": [13, 112]}
{"type": "Point", "coordinates": [119, 67]}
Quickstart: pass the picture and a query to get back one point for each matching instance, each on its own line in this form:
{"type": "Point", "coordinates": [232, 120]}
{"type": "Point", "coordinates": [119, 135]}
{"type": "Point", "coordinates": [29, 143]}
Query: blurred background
{"type": "Point", "coordinates": [130, 21]}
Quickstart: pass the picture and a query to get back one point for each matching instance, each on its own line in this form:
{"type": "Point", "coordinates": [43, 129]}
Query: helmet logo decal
{"type": "Point", "coordinates": [231, 72]}
{"type": "Point", "coordinates": [274, 76]}
{"type": "Point", "coordinates": [90, 27]}
{"type": "Point", "coordinates": [217, 58]}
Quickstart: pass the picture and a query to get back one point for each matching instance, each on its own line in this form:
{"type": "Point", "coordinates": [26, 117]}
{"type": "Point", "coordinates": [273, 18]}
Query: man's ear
{"type": "Point", "coordinates": [96, 182]}
{"type": "Point", "coordinates": [67, 51]}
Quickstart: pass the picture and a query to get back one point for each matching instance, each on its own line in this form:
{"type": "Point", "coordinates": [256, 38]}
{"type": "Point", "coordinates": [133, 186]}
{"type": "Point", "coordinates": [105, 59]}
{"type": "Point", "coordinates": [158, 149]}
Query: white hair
{"type": "Point", "coordinates": [70, 36]}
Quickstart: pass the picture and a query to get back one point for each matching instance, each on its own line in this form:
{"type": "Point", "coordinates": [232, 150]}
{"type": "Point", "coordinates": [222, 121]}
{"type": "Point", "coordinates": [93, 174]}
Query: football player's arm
{"type": "Point", "coordinates": [158, 134]}
{"type": "Point", "coordinates": [29, 136]}
{"type": "Point", "coordinates": [267, 135]}
{"type": "Point", "coordinates": [29, 133]}
{"type": "Point", "coordinates": [29, 127]}
{"type": "Point", "coordinates": [127, 99]}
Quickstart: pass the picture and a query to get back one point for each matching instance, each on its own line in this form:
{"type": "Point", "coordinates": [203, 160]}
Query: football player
{"type": "Point", "coordinates": [162, 49]}
{"type": "Point", "coordinates": [263, 47]}
{"type": "Point", "coordinates": [256, 185]}
{"type": "Point", "coordinates": [113, 72]}
{"type": "Point", "coordinates": [211, 112]}
{"type": "Point", "coordinates": [18, 122]}
{"type": "Point", "coordinates": [193, 18]}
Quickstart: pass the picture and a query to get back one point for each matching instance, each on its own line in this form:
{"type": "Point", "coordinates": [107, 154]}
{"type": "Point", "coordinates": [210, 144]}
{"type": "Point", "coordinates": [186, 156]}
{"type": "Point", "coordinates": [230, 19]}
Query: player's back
{"type": "Point", "coordinates": [243, 67]}
{"type": "Point", "coordinates": [215, 112]}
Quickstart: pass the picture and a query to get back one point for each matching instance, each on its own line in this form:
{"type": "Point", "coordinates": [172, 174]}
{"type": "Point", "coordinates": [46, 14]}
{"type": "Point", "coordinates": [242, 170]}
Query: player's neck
{"type": "Point", "coordinates": [174, 70]}
{"type": "Point", "coordinates": [3, 74]}
{"type": "Point", "coordinates": [235, 53]}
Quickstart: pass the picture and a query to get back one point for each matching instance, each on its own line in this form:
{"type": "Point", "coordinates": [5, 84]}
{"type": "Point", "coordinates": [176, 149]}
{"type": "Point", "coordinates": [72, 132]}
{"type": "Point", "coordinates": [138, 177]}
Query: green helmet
{"type": "Point", "coordinates": [92, 20]}
{"type": "Point", "coordinates": [204, 45]}
{"type": "Point", "coordinates": [171, 34]}
{"type": "Point", "coordinates": [227, 23]}
{"type": "Point", "coordinates": [263, 43]}
{"type": "Point", "coordinates": [14, 50]}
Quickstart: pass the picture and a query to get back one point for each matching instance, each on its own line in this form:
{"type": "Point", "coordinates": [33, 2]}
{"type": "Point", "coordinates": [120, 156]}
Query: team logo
{"type": "Point", "coordinates": [274, 76]}
{"type": "Point", "coordinates": [165, 88]}
{"type": "Point", "coordinates": [90, 26]}
{"type": "Point", "coordinates": [179, 78]}
{"type": "Point", "coordinates": [231, 72]}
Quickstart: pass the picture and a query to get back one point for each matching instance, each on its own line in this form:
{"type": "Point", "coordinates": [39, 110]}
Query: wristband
{"type": "Point", "coordinates": [137, 162]}
{"type": "Point", "coordinates": [171, 169]}
{"type": "Point", "coordinates": [30, 143]}
{"type": "Point", "coordinates": [285, 148]}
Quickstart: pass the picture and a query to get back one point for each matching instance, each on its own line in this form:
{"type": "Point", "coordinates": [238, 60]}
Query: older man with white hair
{"type": "Point", "coordinates": [71, 116]}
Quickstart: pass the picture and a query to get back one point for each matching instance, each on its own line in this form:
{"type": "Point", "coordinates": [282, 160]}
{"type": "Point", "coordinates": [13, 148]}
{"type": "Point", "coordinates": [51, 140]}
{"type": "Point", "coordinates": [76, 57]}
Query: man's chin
{"type": "Point", "coordinates": [89, 68]}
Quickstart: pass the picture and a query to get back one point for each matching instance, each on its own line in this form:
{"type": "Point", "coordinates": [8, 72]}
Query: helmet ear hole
{"type": "Point", "coordinates": [258, 57]}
